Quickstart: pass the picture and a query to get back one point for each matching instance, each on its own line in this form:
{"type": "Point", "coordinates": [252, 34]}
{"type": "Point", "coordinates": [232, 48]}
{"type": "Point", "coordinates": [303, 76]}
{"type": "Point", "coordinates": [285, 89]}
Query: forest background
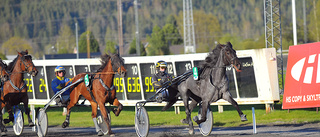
{"type": "Point", "coordinates": [48, 26]}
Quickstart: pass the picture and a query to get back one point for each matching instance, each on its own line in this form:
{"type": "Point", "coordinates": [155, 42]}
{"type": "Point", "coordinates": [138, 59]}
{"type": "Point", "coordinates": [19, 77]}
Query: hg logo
{"type": "Point", "coordinates": [299, 67]}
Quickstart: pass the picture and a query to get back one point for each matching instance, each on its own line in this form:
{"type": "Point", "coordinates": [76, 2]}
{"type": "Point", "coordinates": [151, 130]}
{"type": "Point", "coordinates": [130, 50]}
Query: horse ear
{"type": "Point", "coordinates": [19, 53]}
{"type": "Point", "coordinates": [229, 44]}
{"type": "Point", "coordinates": [26, 51]}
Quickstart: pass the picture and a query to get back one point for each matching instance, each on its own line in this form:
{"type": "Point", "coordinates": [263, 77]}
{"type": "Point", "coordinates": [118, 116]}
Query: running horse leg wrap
{"type": "Point", "coordinates": [96, 124]}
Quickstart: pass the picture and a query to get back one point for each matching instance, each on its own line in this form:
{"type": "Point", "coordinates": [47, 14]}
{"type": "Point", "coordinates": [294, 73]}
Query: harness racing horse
{"type": "Point", "coordinates": [212, 84]}
{"type": "Point", "coordinates": [14, 89]}
{"type": "Point", "coordinates": [102, 90]}
{"type": "Point", "coordinates": [4, 76]}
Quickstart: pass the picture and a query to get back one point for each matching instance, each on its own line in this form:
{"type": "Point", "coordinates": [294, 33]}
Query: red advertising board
{"type": "Point", "coordinates": [302, 85]}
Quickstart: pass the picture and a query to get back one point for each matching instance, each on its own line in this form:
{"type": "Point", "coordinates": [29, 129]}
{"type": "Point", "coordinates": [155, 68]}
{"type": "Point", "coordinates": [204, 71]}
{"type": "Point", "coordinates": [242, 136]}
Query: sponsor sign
{"type": "Point", "coordinates": [302, 85]}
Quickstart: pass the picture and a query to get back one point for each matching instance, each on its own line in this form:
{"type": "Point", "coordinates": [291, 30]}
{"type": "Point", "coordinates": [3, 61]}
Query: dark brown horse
{"type": "Point", "coordinates": [4, 76]}
{"type": "Point", "coordinates": [14, 89]}
{"type": "Point", "coordinates": [102, 89]}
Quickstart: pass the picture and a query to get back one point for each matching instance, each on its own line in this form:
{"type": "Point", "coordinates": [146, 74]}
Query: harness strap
{"type": "Point", "coordinates": [219, 88]}
{"type": "Point", "coordinates": [91, 94]}
{"type": "Point", "coordinates": [90, 86]}
{"type": "Point", "coordinates": [15, 87]}
{"type": "Point", "coordinates": [107, 88]}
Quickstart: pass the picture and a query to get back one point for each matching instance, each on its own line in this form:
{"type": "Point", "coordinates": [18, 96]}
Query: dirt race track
{"type": "Point", "coordinates": [298, 130]}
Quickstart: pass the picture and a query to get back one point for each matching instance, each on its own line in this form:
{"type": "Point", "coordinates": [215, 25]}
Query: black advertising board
{"type": "Point", "coordinates": [81, 69]}
{"type": "Point", "coordinates": [147, 70]}
{"type": "Point", "coordinates": [246, 79]}
{"type": "Point", "coordinates": [132, 82]}
{"type": "Point", "coordinates": [40, 86]}
{"type": "Point", "coordinates": [232, 86]}
{"type": "Point", "coordinates": [182, 67]}
{"type": "Point", "coordinates": [27, 79]}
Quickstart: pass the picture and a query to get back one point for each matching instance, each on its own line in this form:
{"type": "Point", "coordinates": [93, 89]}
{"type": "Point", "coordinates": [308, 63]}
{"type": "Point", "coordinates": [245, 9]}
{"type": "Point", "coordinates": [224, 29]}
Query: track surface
{"type": "Point", "coordinates": [311, 130]}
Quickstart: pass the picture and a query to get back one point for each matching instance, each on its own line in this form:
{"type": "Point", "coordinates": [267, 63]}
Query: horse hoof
{"type": "Point", "coordinates": [3, 134]}
{"type": "Point", "coordinates": [65, 124]}
{"type": "Point", "coordinates": [191, 132]}
{"type": "Point", "coordinates": [111, 134]}
{"type": "Point", "coordinates": [6, 121]}
{"type": "Point", "coordinates": [195, 118]}
{"type": "Point", "coordinates": [31, 124]}
{"type": "Point", "coordinates": [243, 117]}
{"type": "Point", "coordinates": [184, 121]}
{"type": "Point", "coordinates": [100, 133]}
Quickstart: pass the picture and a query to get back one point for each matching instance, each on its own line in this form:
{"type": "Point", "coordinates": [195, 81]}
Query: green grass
{"type": "Point", "coordinates": [81, 116]}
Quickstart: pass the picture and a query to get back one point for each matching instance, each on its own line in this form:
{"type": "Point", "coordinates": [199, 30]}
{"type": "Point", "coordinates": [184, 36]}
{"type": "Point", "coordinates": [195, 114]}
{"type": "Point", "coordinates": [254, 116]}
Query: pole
{"type": "Point", "coordinates": [88, 45]}
{"type": "Point", "coordinates": [305, 22]}
{"type": "Point", "coordinates": [315, 18]}
{"type": "Point", "coordinates": [77, 41]}
{"type": "Point", "coordinates": [294, 23]}
{"type": "Point", "coordinates": [137, 27]}
{"type": "Point", "coordinates": [254, 121]}
{"type": "Point", "coordinates": [120, 33]}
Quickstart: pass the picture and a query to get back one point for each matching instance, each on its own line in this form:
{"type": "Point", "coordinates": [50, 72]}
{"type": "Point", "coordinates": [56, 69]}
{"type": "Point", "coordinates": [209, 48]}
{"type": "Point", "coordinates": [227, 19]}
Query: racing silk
{"type": "Point", "coordinates": [160, 78]}
{"type": "Point", "coordinates": [57, 82]}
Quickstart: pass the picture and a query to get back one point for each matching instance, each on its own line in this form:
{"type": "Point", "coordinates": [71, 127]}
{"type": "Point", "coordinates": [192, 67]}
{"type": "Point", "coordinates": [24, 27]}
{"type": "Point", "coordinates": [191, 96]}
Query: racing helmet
{"type": "Point", "coordinates": [60, 68]}
{"type": "Point", "coordinates": [161, 63]}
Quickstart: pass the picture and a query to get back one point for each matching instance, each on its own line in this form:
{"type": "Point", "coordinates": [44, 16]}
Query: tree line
{"type": "Point", "coordinates": [48, 27]}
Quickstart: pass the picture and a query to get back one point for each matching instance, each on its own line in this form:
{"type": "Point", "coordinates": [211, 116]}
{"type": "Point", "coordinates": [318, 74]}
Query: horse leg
{"type": "Point", "coordinates": [188, 113]}
{"type": "Point", "coordinates": [3, 128]}
{"type": "Point", "coordinates": [204, 108]}
{"type": "Point", "coordinates": [27, 112]}
{"type": "Point", "coordinates": [192, 105]}
{"type": "Point", "coordinates": [94, 107]}
{"type": "Point", "coordinates": [235, 104]}
{"type": "Point", "coordinates": [117, 110]}
{"type": "Point", "coordinates": [105, 116]}
{"type": "Point", "coordinates": [9, 110]}
{"type": "Point", "coordinates": [71, 104]}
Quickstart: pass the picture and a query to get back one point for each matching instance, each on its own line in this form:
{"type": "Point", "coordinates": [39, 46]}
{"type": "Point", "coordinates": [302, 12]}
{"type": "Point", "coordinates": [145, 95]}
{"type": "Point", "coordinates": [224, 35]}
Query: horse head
{"type": "Point", "coordinates": [118, 65]}
{"type": "Point", "coordinates": [230, 56]}
{"type": "Point", "coordinates": [26, 63]}
{"type": "Point", "coordinates": [4, 76]}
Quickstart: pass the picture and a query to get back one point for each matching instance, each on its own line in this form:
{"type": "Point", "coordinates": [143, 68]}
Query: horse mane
{"type": "Point", "coordinates": [11, 64]}
{"type": "Point", "coordinates": [212, 58]}
{"type": "Point", "coordinates": [104, 61]}
{"type": "Point", "coordinates": [3, 64]}
{"type": "Point", "coordinates": [209, 62]}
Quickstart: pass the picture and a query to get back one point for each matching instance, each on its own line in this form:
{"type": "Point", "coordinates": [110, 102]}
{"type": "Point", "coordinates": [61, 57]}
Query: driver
{"type": "Point", "coordinates": [160, 78]}
{"type": "Point", "coordinates": [59, 83]}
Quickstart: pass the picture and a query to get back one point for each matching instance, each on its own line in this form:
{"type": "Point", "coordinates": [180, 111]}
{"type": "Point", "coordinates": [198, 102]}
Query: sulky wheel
{"type": "Point", "coordinates": [141, 122]}
{"type": "Point", "coordinates": [206, 127]}
{"type": "Point", "coordinates": [42, 123]}
{"type": "Point", "coordinates": [18, 122]}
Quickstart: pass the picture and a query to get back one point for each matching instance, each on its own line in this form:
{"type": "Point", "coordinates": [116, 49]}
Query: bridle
{"type": "Point", "coordinates": [114, 66]}
{"type": "Point", "coordinates": [2, 76]}
{"type": "Point", "coordinates": [230, 61]}
{"type": "Point", "coordinates": [26, 66]}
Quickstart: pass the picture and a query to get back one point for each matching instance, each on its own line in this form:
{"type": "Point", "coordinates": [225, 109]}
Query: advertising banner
{"type": "Point", "coordinates": [302, 85]}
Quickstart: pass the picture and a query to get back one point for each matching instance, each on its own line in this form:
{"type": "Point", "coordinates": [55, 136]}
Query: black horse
{"type": "Point", "coordinates": [211, 86]}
